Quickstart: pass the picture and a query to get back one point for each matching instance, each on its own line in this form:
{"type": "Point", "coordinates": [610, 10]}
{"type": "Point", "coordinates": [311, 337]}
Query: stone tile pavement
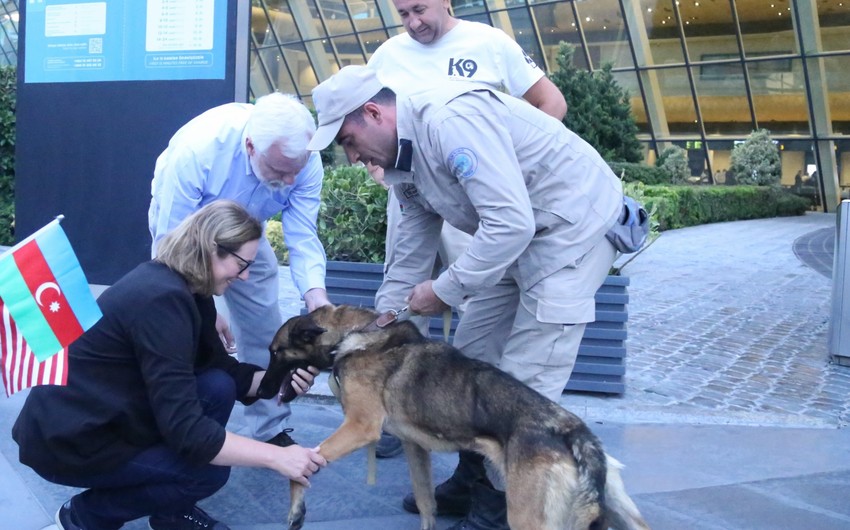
{"type": "Point", "coordinates": [727, 325]}
{"type": "Point", "coordinates": [726, 322]}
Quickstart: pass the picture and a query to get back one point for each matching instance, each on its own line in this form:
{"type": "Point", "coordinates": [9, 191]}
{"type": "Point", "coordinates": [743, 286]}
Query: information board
{"type": "Point", "coordinates": [125, 40]}
{"type": "Point", "coordinates": [91, 125]}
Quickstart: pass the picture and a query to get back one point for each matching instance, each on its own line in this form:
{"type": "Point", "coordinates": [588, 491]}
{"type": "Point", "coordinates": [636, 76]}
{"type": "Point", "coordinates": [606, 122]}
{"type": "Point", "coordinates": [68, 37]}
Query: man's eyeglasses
{"type": "Point", "coordinates": [247, 262]}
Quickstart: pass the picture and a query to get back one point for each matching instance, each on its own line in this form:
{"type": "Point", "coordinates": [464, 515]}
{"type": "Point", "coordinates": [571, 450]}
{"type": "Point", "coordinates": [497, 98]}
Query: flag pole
{"type": "Point", "coordinates": [56, 220]}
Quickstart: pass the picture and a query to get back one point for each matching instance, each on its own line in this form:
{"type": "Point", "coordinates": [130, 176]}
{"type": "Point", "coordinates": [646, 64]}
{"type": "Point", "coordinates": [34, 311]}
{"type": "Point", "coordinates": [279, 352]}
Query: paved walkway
{"type": "Point", "coordinates": [732, 417]}
{"type": "Point", "coordinates": [727, 325]}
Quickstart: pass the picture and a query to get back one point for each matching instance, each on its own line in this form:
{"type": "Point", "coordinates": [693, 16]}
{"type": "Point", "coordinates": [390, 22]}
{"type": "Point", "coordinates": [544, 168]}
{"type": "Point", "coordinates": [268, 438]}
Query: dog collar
{"type": "Point", "coordinates": [385, 319]}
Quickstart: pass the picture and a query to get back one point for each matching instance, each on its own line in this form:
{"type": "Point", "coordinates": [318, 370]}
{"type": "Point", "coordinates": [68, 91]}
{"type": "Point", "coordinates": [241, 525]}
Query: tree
{"type": "Point", "coordinates": [674, 160]}
{"type": "Point", "coordinates": [756, 161]}
{"type": "Point", "coordinates": [599, 109]}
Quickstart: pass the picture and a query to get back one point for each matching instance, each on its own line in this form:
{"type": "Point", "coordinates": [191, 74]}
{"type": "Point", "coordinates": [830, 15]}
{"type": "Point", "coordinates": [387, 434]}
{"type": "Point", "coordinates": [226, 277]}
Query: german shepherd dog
{"type": "Point", "coordinates": [435, 399]}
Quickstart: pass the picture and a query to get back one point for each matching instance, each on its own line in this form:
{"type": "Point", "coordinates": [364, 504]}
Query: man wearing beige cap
{"type": "Point", "coordinates": [537, 199]}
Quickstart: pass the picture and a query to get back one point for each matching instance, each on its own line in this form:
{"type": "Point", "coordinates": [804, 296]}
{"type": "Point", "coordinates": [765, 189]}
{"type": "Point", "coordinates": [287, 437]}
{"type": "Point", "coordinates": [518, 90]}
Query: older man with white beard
{"type": "Point", "coordinates": [257, 156]}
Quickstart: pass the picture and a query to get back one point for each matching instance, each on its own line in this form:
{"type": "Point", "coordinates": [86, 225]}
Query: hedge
{"type": "Point", "coordinates": [681, 206]}
{"type": "Point", "coordinates": [8, 102]}
{"type": "Point", "coordinates": [352, 218]}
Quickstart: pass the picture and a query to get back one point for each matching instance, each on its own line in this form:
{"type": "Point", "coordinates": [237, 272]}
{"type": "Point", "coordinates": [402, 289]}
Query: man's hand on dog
{"type": "Point", "coordinates": [423, 300]}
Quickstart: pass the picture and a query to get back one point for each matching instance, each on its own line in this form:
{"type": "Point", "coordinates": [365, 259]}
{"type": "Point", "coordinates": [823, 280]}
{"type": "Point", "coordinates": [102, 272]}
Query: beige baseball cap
{"type": "Point", "coordinates": [338, 96]}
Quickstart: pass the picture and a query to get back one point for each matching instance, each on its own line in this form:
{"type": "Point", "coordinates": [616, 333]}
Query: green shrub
{"type": "Point", "coordinates": [681, 206]}
{"type": "Point", "coordinates": [275, 237]}
{"type": "Point", "coordinates": [352, 218]}
{"type": "Point", "coordinates": [756, 161]}
{"type": "Point", "coordinates": [8, 99]}
{"type": "Point", "coordinates": [599, 109]}
{"type": "Point", "coordinates": [674, 161]}
{"type": "Point", "coordinates": [633, 172]}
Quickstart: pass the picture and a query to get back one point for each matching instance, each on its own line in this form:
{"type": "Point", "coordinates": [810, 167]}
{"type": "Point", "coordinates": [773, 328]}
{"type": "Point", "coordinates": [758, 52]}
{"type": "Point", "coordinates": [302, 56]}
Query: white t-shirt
{"type": "Point", "coordinates": [469, 52]}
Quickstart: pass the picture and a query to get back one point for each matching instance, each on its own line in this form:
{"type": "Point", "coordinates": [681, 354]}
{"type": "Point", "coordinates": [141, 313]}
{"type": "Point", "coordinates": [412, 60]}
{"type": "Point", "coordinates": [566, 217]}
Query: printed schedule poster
{"type": "Point", "coordinates": [71, 41]}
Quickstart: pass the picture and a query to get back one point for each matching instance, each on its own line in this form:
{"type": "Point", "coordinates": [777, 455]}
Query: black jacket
{"type": "Point", "coordinates": [131, 382]}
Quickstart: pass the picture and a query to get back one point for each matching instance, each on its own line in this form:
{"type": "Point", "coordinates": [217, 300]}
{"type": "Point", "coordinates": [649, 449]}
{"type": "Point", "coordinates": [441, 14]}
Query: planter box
{"type": "Point", "coordinates": [600, 366]}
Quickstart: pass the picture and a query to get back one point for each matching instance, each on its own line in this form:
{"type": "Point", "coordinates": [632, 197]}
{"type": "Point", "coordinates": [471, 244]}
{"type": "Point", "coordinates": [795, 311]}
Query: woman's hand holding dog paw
{"type": "Point", "coordinates": [300, 463]}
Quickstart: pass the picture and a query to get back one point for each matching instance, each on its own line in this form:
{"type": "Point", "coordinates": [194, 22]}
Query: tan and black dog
{"type": "Point", "coordinates": [432, 397]}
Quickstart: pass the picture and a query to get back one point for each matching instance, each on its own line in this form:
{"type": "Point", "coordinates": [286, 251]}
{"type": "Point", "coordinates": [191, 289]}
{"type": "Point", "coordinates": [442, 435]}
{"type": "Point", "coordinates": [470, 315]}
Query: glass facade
{"type": "Point", "coordinates": [701, 74]}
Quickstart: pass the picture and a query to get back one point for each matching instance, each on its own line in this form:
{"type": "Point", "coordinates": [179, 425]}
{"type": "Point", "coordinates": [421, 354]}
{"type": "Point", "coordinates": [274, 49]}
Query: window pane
{"type": "Point", "coordinates": [779, 96]}
{"type": "Point", "coordinates": [259, 82]}
{"type": "Point", "coordinates": [629, 82]}
{"type": "Point", "coordinates": [336, 17]}
{"type": "Point", "coordinates": [797, 156]}
{"type": "Point", "coordinates": [464, 8]}
{"type": "Point", "coordinates": [306, 17]}
{"type": "Point", "coordinates": [709, 30]}
{"type": "Point", "coordinates": [295, 56]}
{"type": "Point", "coordinates": [834, 20]}
{"type": "Point", "coordinates": [503, 4]}
{"type": "Point", "coordinates": [605, 33]}
{"type": "Point", "coordinates": [276, 67]}
{"type": "Point", "coordinates": [837, 86]}
{"type": "Point", "coordinates": [555, 23]}
{"type": "Point", "coordinates": [660, 21]}
{"type": "Point", "coordinates": [516, 23]}
{"type": "Point", "coordinates": [678, 101]}
{"type": "Point", "coordinates": [275, 20]}
{"type": "Point", "coordinates": [723, 98]}
{"type": "Point", "coordinates": [842, 155]}
{"type": "Point", "coordinates": [348, 50]}
{"type": "Point", "coordinates": [366, 15]}
{"type": "Point", "coordinates": [720, 158]}
{"type": "Point", "coordinates": [766, 27]}
{"type": "Point", "coordinates": [373, 39]}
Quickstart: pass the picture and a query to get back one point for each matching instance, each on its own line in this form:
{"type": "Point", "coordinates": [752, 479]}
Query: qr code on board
{"type": "Point", "coordinates": [96, 45]}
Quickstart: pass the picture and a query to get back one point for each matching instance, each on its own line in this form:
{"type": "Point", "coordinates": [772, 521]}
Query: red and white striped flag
{"type": "Point", "coordinates": [20, 368]}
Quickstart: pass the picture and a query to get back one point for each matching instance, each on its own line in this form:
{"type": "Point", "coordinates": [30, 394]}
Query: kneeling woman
{"type": "Point", "coordinates": [141, 423]}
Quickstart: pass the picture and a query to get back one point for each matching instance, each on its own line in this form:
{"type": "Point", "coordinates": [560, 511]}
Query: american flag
{"type": "Point", "coordinates": [20, 367]}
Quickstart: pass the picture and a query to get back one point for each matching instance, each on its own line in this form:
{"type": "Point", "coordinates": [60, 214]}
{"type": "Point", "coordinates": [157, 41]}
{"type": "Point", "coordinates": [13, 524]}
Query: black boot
{"type": "Point", "coordinates": [488, 510]}
{"type": "Point", "coordinates": [453, 495]}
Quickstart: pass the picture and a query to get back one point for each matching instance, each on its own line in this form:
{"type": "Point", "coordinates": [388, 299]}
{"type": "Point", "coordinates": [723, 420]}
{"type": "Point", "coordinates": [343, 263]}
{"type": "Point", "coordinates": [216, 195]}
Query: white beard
{"type": "Point", "coordinates": [273, 185]}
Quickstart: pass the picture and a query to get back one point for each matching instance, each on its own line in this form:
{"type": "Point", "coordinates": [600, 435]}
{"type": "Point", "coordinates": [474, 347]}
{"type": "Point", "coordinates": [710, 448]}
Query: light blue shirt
{"type": "Point", "coordinates": [206, 160]}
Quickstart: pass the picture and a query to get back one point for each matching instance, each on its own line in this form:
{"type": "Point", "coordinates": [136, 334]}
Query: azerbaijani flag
{"type": "Point", "coordinates": [46, 292]}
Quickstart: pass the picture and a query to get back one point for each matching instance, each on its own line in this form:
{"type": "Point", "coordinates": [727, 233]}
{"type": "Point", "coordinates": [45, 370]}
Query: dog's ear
{"type": "Point", "coordinates": [305, 333]}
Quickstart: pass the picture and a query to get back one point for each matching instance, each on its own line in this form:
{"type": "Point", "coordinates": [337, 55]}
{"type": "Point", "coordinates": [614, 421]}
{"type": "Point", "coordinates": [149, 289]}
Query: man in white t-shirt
{"type": "Point", "coordinates": [439, 49]}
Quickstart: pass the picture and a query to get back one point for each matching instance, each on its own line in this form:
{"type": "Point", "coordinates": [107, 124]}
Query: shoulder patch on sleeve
{"type": "Point", "coordinates": [462, 162]}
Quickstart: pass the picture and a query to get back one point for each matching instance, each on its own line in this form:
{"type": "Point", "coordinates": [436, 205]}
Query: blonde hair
{"type": "Point", "coordinates": [188, 249]}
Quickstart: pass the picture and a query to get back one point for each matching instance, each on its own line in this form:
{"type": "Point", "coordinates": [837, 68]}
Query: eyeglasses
{"type": "Point", "coordinates": [247, 262]}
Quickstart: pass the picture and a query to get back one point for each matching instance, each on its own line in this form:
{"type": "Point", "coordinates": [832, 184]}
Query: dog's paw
{"type": "Point", "coordinates": [296, 517]}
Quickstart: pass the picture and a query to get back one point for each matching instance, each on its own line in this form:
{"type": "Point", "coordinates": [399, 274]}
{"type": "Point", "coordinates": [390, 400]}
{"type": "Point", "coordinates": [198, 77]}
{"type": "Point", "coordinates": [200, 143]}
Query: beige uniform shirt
{"type": "Point", "coordinates": [528, 189]}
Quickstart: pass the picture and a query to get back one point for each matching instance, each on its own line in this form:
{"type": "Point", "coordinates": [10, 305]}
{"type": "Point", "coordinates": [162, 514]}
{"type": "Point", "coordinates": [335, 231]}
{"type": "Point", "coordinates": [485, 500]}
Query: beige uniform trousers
{"type": "Point", "coordinates": [535, 335]}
